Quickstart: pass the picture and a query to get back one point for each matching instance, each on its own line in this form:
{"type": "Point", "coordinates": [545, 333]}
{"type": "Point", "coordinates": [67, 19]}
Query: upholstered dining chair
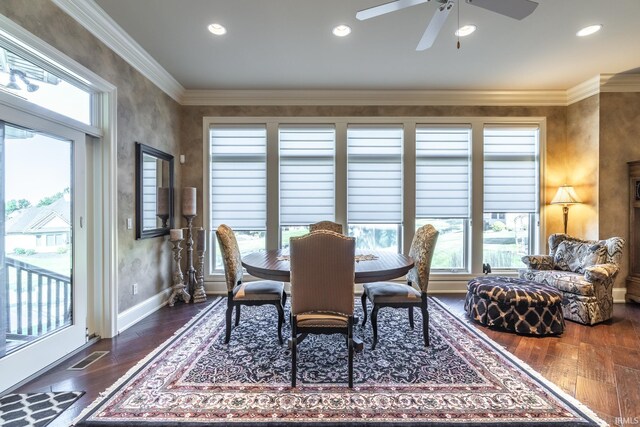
{"type": "Point", "coordinates": [250, 293]}
{"type": "Point", "coordinates": [322, 286]}
{"type": "Point", "coordinates": [390, 294]}
{"type": "Point", "coordinates": [326, 225]}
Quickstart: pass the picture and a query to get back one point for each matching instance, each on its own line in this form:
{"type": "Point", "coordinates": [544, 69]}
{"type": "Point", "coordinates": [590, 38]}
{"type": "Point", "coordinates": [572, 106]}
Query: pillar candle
{"type": "Point", "coordinates": [188, 201]}
{"type": "Point", "coordinates": [176, 234]}
{"type": "Point", "coordinates": [162, 208]}
{"type": "Point", "coordinates": [202, 240]}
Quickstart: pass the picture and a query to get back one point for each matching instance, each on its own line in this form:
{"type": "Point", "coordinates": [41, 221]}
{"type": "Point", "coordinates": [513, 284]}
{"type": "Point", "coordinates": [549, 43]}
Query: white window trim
{"type": "Point", "coordinates": [444, 281]}
{"type": "Point", "coordinates": [104, 113]}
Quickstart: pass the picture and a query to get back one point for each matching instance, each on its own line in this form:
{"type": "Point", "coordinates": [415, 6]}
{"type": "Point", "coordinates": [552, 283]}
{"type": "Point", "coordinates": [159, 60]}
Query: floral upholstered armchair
{"type": "Point", "coordinates": [583, 271]}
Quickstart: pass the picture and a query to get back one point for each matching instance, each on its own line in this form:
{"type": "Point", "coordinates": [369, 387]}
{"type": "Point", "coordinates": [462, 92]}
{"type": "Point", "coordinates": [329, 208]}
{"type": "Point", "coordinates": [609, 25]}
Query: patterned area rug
{"type": "Point", "coordinates": [34, 409]}
{"type": "Point", "coordinates": [463, 378]}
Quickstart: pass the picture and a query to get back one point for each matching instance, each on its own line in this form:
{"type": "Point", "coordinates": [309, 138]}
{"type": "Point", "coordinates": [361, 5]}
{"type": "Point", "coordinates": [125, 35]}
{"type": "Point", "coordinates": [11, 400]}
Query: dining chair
{"type": "Point", "coordinates": [326, 225]}
{"type": "Point", "coordinates": [399, 295]}
{"type": "Point", "coordinates": [240, 293]}
{"type": "Point", "coordinates": [322, 287]}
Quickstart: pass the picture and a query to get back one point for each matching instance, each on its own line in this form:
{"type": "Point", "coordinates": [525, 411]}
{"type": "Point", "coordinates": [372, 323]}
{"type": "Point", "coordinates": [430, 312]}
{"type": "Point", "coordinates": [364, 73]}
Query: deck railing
{"type": "Point", "coordinates": [39, 300]}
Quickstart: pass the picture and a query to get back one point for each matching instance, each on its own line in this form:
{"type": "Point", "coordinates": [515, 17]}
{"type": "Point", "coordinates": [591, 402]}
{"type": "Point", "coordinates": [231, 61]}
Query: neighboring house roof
{"type": "Point", "coordinates": [55, 217]}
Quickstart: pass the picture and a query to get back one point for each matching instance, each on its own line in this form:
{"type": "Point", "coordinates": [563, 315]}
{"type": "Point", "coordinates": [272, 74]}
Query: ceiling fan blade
{"type": "Point", "coordinates": [372, 12]}
{"type": "Point", "coordinates": [435, 26]}
{"type": "Point", "coordinates": [516, 9]}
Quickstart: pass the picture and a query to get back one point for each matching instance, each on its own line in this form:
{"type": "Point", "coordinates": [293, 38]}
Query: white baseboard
{"type": "Point", "coordinates": [133, 315]}
{"type": "Point", "coordinates": [618, 295]}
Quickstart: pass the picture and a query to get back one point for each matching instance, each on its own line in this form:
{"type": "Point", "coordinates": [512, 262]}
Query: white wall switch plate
{"type": "Point", "coordinates": [129, 223]}
{"type": "Point", "coordinates": [134, 289]}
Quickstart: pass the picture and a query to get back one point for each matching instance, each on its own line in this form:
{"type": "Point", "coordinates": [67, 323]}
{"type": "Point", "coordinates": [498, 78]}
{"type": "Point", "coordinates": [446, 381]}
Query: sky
{"type": "Point", "coordinates": [36, 167]}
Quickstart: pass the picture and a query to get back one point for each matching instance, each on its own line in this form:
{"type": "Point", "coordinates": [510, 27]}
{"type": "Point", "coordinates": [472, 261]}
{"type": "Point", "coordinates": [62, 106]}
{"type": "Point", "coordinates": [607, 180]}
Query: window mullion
{"type": "Point", "coordinates": [409, 186]}
{"type": "Point", "coordinates": [477, 188]}
{"type": "Point", "coordinates": [341, 175]}
{"type": "Point", "coordinates": [273, 187]}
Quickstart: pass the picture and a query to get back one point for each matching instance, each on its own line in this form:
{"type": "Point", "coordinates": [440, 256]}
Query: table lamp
{"type": "Point", "coordinates": [565, 196]}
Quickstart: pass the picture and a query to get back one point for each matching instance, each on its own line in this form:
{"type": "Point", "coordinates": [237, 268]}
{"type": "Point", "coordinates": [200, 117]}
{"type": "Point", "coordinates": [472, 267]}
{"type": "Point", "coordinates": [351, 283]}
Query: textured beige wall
{"type": "Point", "coordinates": [581, 166]}
{"type": "Point", "coordinates": [555, 150]}
{"type": "Point", "coordinates": [145, 114]}
{"type": "Point", "coordinates": [619, 144]}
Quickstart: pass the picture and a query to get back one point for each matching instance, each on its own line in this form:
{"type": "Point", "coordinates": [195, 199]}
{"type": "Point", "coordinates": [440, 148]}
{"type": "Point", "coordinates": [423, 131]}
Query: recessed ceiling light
{"type": "Point", "coordinates": [465, 30]}
{"type": "Point", "coordinates": [342, 30]}
{"type": "Point", "coordinates": [217, 29]}
{"type": "Point", "coordinates": [589, 30]}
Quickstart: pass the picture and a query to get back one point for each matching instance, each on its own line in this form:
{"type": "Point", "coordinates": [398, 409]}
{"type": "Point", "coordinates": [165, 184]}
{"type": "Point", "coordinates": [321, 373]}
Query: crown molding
{"type": "Point", "coordinates": [621, 83]}
{"type": "Point", "coordinates": [584, 90]}
{"type": "Point", "coordinates": [374, 97]}
{"type": "Point", "coordinates": [97, 22]}
{"type": "Point", "coordinates": [102, 26]}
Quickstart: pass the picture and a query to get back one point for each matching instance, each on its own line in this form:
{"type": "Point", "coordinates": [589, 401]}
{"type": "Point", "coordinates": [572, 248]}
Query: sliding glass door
{"type": "Point", "coordinates": [42, 245]}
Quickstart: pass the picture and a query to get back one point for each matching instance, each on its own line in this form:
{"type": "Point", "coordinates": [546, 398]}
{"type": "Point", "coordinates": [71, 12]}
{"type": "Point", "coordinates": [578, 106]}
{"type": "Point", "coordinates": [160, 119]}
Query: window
{"type": "Point", "coordinates": [443, 166]}
{"type": "Point", "coordinates": [307, 178]}
{"type": "Point", "coordinates": [361, 172]}
{"type": "Point", "coordinates": [510, 194]}
{"type": "Point", "coordinates": [239, 184]}
{"type": "Point", "coordinates": [374, 186]}
{"type": "Point", "coordinates": [23, 78]}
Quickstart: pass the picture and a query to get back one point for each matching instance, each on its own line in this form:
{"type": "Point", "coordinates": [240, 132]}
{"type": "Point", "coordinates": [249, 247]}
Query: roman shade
{"type": "Point", "coordinates": [374, 174]}
{"type": "Point", "coordinates": [239, 176]}
{"type": "Point", "coordinates": [510, 168]}
{"type": "Point", "coordinates": [443, 171]}
{"type": "Point", "coordinates": [307, 174]}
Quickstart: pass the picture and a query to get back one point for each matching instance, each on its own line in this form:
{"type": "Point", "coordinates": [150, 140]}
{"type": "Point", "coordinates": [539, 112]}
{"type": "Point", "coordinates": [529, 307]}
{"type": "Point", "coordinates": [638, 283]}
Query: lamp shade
{"type": "Point", "coordinates": [566, 195]}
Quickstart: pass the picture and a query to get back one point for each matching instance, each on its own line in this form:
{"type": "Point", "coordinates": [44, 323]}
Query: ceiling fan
{"type": "Point", "coordinates": [516, 9]}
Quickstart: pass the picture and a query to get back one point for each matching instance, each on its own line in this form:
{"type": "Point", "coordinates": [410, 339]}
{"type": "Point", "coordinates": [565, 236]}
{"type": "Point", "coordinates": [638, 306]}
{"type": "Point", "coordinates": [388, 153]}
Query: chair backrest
{"type": "Point", "coordinates": [322, 273]}
{"type": "Point", "coordinates": [326, 225]}
{"type": "Point", "coordinates": [613, 245]}
{"type": "Point", "coordinates": [422, 247]}
{"type": "Point", "coordinates": [230, 255]}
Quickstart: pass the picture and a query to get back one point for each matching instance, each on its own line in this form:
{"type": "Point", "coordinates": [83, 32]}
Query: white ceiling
{"type": "Point", "coordinates": [287, 44]}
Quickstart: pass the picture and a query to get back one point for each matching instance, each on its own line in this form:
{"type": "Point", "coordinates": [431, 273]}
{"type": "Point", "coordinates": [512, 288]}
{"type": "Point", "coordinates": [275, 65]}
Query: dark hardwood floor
{"type": "Point", "coordinates": [599, 365]}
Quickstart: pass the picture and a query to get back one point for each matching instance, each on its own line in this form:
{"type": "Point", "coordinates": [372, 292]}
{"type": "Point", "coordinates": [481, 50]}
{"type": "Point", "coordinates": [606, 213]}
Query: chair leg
{"type": "Point", "coordinates": [227, 335]}
{"type": "Point", "coordinates": [280, 321]}
{"type": "Point", "coordinates": [411, 317]}
{"type": "Point", "coordinates": [294, 351]}
{"type": "Point", "coordinates": [364, 307]}
{"type": "Point", "coordinates": [284, 303]}
{"type": "Point", "coordinates": [237, 314]}
{"type": "Point", "coordinates": [350, 346]}
{"type": "Point", "coordinates": [425, 321]}
{"type": "Point", "coordinates": [374, 324]}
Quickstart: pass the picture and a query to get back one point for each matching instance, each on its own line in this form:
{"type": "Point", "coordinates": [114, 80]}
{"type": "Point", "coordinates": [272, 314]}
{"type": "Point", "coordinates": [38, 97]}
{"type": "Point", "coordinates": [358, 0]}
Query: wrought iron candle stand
{"type": "Point", "coordinates": [179, 291]}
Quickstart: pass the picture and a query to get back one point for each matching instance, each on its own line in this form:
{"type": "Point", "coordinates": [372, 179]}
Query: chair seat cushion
{"type": "Point", "coordinates": [263, 290]}
{"type": "Point", "coordinates": [565, 281]}
{"type": "Point", "coordinates": [389, 292]}
{"type": "Point", "coordinates": [322, 320]}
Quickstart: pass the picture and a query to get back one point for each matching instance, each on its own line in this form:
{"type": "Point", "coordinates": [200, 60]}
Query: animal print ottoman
{"type": "Point", "coordinates": [515, 305]}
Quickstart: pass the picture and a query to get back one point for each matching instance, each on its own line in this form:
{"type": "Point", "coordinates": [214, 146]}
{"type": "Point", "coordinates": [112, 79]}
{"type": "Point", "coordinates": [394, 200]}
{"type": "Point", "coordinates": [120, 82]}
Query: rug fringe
{"type": "Point", "coordinates": [525, 366]}
{"type": "Point", "coordinates": [142, 362]}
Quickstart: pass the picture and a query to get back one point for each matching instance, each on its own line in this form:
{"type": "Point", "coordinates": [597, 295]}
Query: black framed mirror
{"type": "Point", "coordinates": [154, 192]}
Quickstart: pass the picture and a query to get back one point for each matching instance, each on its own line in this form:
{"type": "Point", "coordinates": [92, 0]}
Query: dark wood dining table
{"type": "Point", "coordinates": [386, 265]}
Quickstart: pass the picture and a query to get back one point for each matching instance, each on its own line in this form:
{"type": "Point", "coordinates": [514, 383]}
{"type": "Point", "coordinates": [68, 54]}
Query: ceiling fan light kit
{"type": "Point", "coordinates": [516, 9]}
